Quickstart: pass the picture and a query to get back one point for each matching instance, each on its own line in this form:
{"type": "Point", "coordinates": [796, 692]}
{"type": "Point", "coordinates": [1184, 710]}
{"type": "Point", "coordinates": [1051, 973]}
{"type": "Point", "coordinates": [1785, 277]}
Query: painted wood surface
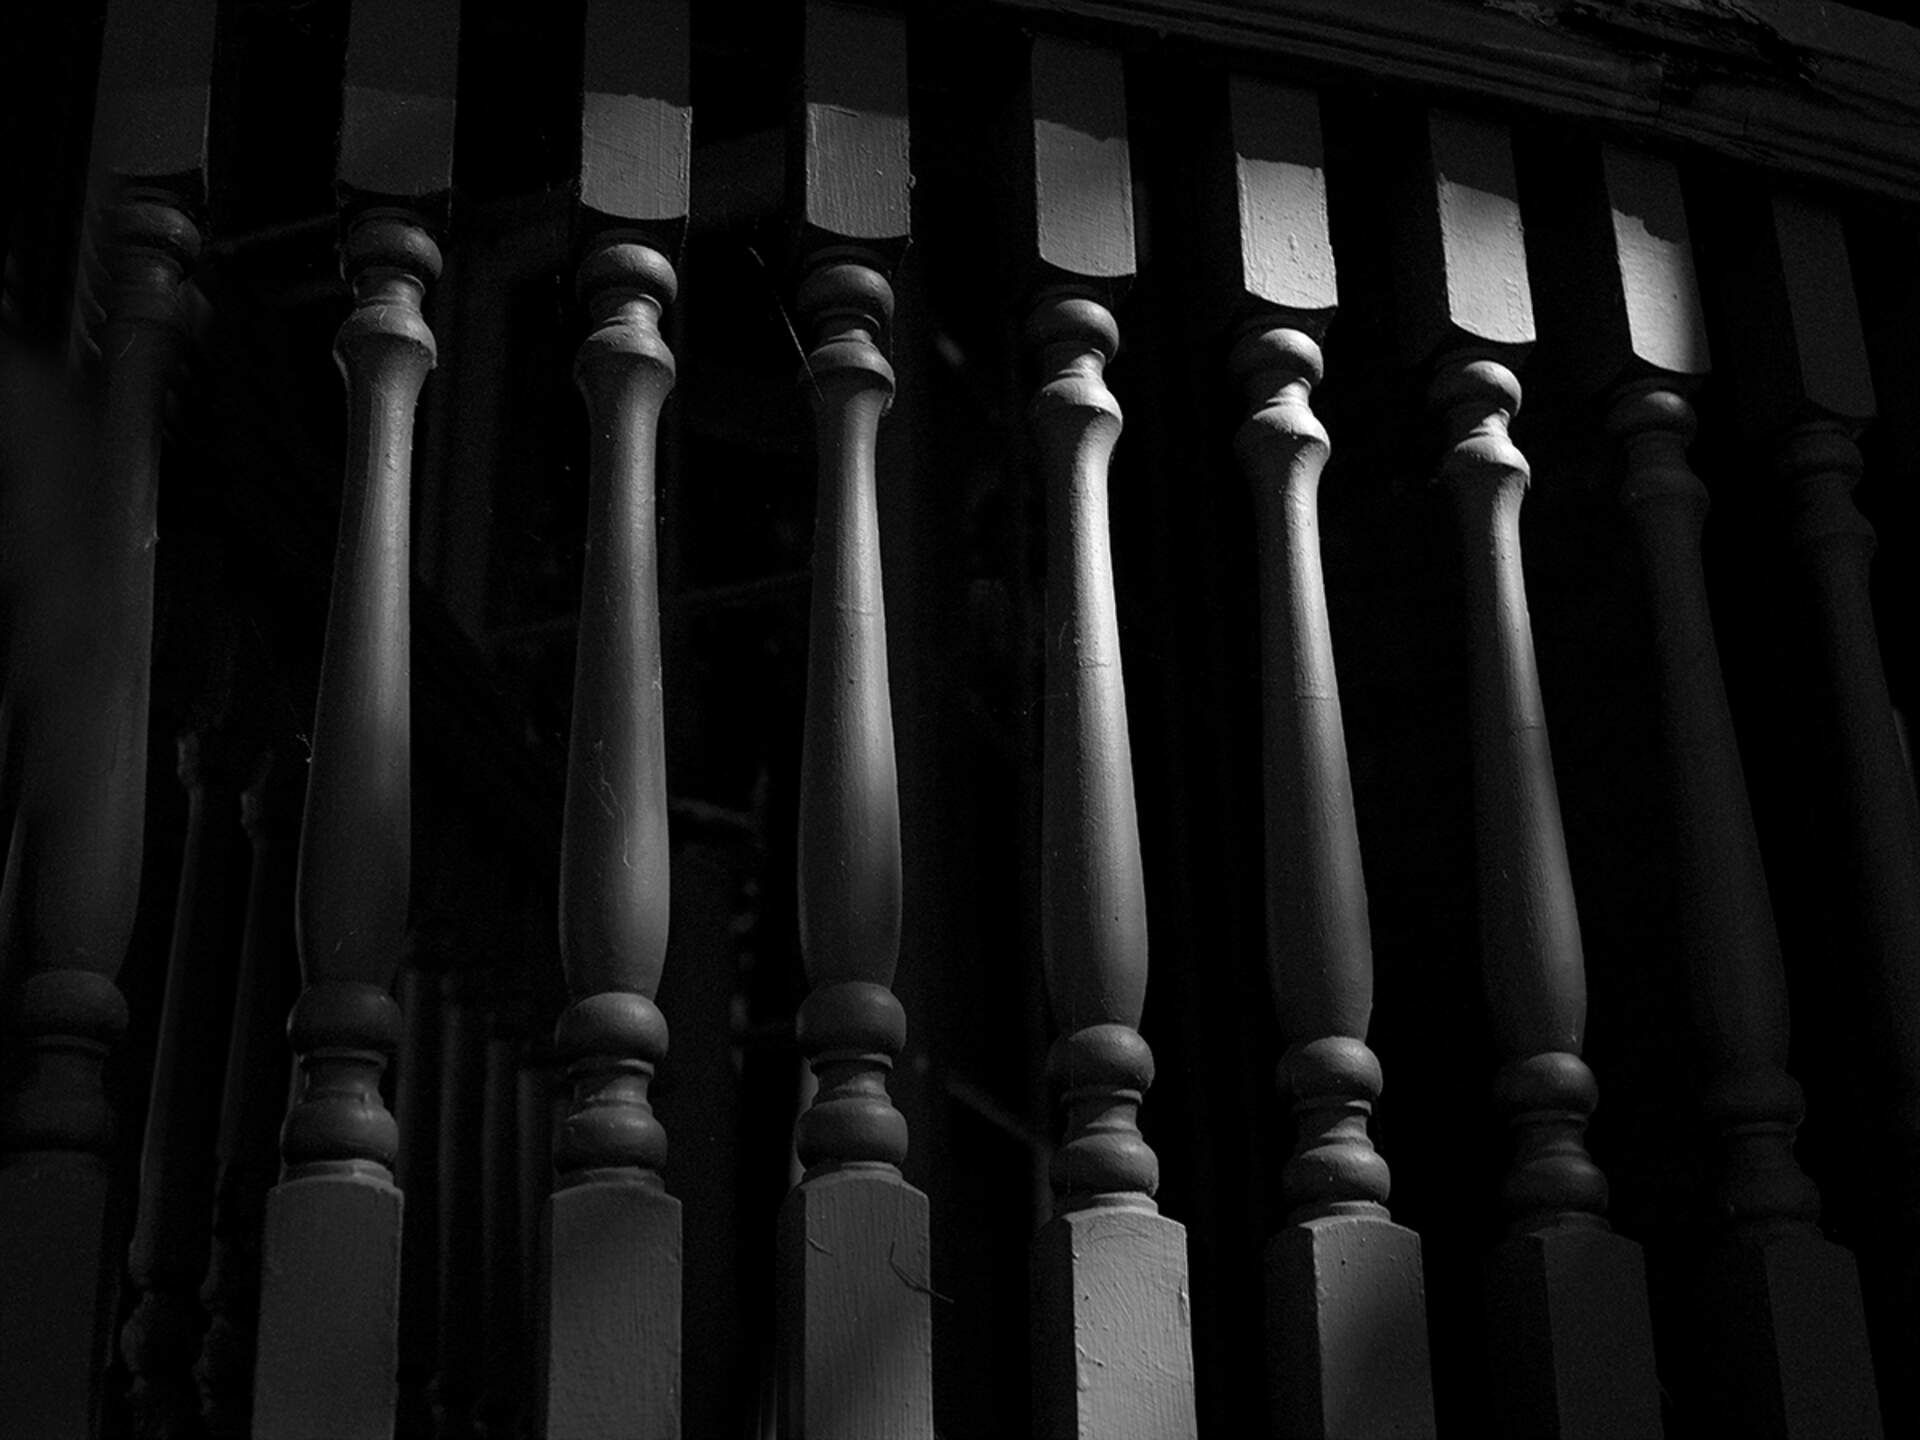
{"type": "Point", "coordinates": [396, 111]}
{"type": "Point", "coordinates": [1800, 362]}
{"type": "Point", "coordinates": [79, 694]}
{"type": "Point", "coordinates": [172, 1234]}
{"type": "Point", "coordinates": [1567, 1304]}
{"type": "Point", "coordinates": [855, 1328]}
{"type": "Point", "coordinates": [613, 902]}
{"type": "Point", "coordinates": [1347, 1341]}
{"type": "Point", "coordinates": [1112, 1347]}
{"type": "Point", "coordinates": [331, 1274]}
{"type": "Point", "coordinates": [1777, 1356]}
{"type": "Point", "coordinates": [253, 1099]}
{"type": "Point", "coordinates": [636, 120]}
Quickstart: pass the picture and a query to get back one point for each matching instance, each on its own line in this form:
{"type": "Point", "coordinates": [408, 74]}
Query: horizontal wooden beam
{"type": "Point", "coordinates": [1820, 91]}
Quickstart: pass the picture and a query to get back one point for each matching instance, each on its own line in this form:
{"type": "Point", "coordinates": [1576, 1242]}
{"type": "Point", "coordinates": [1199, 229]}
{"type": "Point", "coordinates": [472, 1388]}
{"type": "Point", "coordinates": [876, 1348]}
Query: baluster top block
{"type": "Point", "coordinates": [156, 62]}
{"type": "Point", "coordinates": [1819, 326]}
{"type": "Point", "coordinates": [851, 168]}
{"type": "Point", "coordinates": [636, 114]}
{"type": "Point", "coordinates": [396, 107]}
{"type": "Point", "coordinates": [1659, 322]}
{"type": "Point", "coordinates": [1461, 261]}
{"type": "Point", "coordinates": [1286, 251]}
{"type": "Point", "coordinates": [1077, 209]}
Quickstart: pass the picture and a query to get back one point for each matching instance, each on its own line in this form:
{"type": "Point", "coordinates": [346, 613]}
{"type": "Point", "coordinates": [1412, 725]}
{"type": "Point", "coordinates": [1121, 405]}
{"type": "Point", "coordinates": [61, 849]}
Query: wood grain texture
{"type": "Point", "coordinates": [150, 115]}
{"type": "Point", "coordinates": [1461, 270]}
{"type": "Point", "coordinates": [1082, 172]}
{"type": "Point", "coordinates": [396, 111]}
{"type": "Point", "coordinates": [612, 1311]}
{"type": "Point", "coordinates": [1111, 1316]}
{"type": "Point", "coordinates": [854, 169]}
{"type": "Point", "coordinates": [1286, 250]}
{"type": "Point", "coordinates": [856, 1322]}
{"type": "Point", "coordinates": [636, 120]}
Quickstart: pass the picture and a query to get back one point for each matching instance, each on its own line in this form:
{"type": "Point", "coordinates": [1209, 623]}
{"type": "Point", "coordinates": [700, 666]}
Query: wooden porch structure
{"type": "Point", "coordinates": [1117, 718]}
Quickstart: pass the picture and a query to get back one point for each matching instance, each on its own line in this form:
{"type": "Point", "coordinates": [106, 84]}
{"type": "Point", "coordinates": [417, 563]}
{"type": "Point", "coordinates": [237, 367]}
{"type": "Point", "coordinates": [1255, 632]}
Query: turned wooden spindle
{"type": "Point", "coordinates": [172, 1231]}
{"type": "Point", "coordinates": [1112, 1344]}
{"type": "Point", "coordinates": [253, 1100]}
{"type": "Point", "coordinates": [609, 1199]}
{"type": "Point", "coordinates": [856, 1326]}
{"type": "Point", "coordinates": [79, 638]}
{"type": "Point", "coordinates": [1567, 1304]}
{"type": "Point", "coordinates": [1339, 1252]}
{"type": "Point", "coordinates": [79, 702]}
{"type": "Point", "coordinates": [329, 1302]}
{"type": "Point", "coordinates": [1780, 1312]}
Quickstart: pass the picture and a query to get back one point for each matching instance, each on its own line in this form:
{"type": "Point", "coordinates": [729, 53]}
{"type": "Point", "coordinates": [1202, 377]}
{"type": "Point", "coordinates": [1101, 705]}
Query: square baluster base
{"type": "Point", "coordinates": [1347, 1331]}
{"type": "Point", "coordinates": [329, 1310]}
{"type": "Point", "coordinates": [1571, 1338]}
{"type": "Point", "coordinates": [1113, 1343]}
{"type": "Point", "coordinates": [610, 1310]}
{"type": "Point", "coordinates": [856, 1316]}
{"type": "Point", "coordinates": [1786, 1341]}
{"type": "Point", "coordinates": [56, 1291]}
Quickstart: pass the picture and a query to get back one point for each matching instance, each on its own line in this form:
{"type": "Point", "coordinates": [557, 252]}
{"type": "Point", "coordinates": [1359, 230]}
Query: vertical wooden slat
{"type": "Point", "coordinates": [253, 1101]}
{"type": "Point", "coordinates": [1801, 362]}
{"type": "Point", "coordinates": [611, 1330]}
{"type": "Point", "coordinates": [172, 1232]}
{"type": "Point", "coordinates": [331, 1259]}
{"type": "Point", "coordinates": [459, 1368]}
{"type": "Point", "coordinates": [856, 1328]}
{"type": "Point", "coordinates": [78, 702]}
{"type": "Point", "coordinates": [1572, 1349]}
{"type": "Point", "coordinates": [1112, 1345]}
{"type": "Point", "coordinates": [503, 1299]}
{"type": "Point", "coordinates": [417, 1171]}
{"type": "Point", "coordinates": [1346, 1309]}
{"type": "Point", "coordinates": [1786, 1341]}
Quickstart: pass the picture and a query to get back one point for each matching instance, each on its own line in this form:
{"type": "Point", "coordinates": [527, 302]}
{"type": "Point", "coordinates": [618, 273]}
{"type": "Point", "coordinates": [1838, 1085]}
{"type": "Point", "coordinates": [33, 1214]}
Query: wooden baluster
{"type": "Point", "coordinates": [253, 1101]}
{"type": "Point", "coordinates": [172, 1233]}
{"type": "Point", "coordinates": [331, 1260]}
{"type": "Point", "coordinates": [611, 1356]}
{"type": "Point", "coordinates": [856, 1326]}
{"type": "Point", "coordinates": [80, 655]}
{"type": "Point", "coordinates": [1112, 1346]}
{"type": "Point", "coordinates": [1567, 1303]}
{"type": "Point", "coordinates": [1802, 367]}
{"type": "Point", "coordinates": [1346, 1318]}
{"type": "Point", "coordinates": [1786, 1332]}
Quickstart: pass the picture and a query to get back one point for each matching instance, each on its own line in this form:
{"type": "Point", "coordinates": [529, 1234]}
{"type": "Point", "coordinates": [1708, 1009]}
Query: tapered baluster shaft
{"type": "Point", "coordinates": [1782, 1327]}
{"type": "Point", "coordinates": [79, 703]}
{"type": "Point", "coordinates": [1567, 1301]}
{"type": "Point", "coordinates": [171, 1238]}
{"type": "Point", "coordinates": [1112, 1342]}
{"type": "Point", "coordinates": [253, 1102]}
{"type": "Point", "coordinates": [330, 1293]}
{"type": "Point", "coordinates": [1339, 1254]}
{"type": "Point", "coordinates": [855, 1326]}
{"type": "Point", "coordinates": [613, 904]}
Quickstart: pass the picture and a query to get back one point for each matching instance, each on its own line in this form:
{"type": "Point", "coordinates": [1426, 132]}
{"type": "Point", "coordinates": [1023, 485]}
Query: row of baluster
{"type": "Point", "coordinates": [1112, 1352]}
